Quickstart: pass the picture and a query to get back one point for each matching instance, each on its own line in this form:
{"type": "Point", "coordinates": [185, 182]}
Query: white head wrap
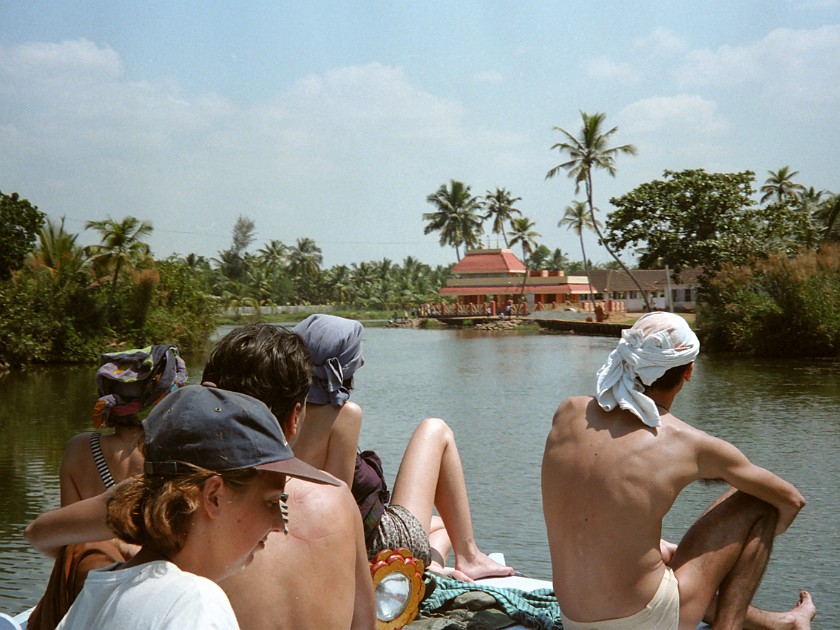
{"type": "Point", "coordinates": [657, 342]}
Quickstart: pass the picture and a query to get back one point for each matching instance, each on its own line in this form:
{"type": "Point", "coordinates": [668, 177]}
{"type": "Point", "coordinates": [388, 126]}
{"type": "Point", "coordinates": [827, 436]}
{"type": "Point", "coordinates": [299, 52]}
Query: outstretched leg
{"type": "Point", "coordinates": [431, 475]}
{"type": "Point", "coordinates": [723, 555]}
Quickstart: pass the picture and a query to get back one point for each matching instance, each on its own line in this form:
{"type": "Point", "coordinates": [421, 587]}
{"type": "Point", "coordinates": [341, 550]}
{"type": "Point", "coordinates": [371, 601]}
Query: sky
{"type": "Point", "coordinates": [335, 120]}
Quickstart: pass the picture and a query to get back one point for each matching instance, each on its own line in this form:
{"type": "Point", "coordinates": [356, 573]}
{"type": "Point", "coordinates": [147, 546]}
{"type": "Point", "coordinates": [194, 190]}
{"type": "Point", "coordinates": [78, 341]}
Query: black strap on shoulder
{"type": "Point", "coordinates": [99, 459]}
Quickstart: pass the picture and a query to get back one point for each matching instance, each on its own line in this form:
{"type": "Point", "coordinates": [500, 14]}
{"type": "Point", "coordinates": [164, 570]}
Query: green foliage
{"type": "Point", "coordinates": [19, 225]}
{"type": "Point", "coordinates": [691, 218]}
{"type": "Point", "coordinates": [777, 306]}
{"type": "Point", "coordinates": [456, 217]}
{"type": "Point", "coordinates": [184, 310]}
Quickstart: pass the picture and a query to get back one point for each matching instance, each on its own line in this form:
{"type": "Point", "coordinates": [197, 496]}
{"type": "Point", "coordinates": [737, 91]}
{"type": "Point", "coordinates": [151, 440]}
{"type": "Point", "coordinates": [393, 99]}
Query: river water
{"type": "Point", "coordinates": [498, 392]}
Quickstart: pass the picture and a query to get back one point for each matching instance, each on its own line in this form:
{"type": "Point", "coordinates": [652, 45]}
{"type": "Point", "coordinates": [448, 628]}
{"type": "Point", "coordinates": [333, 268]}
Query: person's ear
{"type": "Point", "coordinates": [211, 496]}
{"type": "Point", "coordinates": [688, 372]}
{"type": "Point", "coordinates": [292, 424]}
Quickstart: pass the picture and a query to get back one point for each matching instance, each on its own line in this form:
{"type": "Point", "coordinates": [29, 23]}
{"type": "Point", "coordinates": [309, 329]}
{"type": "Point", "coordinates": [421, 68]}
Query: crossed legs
{"type": "Point", "coordinates": [430, 476]}
{"type": "Point", "coordinates": [720, 562]}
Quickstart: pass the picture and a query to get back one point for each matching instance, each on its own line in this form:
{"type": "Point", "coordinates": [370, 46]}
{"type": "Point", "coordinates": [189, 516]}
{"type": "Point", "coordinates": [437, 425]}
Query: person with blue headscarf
{"type": "Point", "coordinates": [430, 474]}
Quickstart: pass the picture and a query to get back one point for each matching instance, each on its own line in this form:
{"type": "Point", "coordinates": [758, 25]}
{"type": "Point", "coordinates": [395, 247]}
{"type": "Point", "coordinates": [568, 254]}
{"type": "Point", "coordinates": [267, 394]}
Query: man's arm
{"type": "Point", "coordinates": [719, 459]}
{"type": "Point", "coordinates": [83, 521]}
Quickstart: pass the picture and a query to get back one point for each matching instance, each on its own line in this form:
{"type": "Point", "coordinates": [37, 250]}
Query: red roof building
{"type": "Point", "coordinates": [490, 278]}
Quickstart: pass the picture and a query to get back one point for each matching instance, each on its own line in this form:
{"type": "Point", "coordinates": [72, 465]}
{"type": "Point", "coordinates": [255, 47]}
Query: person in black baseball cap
{"type": "Point", "coordinates": [212, 492]}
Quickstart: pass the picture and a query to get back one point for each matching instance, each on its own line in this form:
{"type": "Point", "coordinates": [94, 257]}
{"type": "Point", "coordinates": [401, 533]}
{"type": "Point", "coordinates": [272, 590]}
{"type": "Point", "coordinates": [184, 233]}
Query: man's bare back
{"type": "Point", "coordinates": [613, 467]}
{"type": "Point", "coordinates": [611, 479]}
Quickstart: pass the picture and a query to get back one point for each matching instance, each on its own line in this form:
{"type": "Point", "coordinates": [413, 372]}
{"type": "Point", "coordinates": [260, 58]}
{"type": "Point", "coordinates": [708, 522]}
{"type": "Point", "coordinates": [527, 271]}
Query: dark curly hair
{"type": "Point", "coordinates": [268, 362]}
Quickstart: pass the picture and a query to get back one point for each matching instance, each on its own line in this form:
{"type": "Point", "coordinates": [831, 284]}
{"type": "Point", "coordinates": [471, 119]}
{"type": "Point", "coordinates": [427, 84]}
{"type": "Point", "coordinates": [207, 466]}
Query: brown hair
{"type": "Point", "coordinates": [154, 511]}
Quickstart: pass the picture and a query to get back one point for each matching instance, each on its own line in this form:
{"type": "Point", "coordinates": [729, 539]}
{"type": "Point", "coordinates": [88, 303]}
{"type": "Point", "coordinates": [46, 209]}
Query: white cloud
{"type": "Point", "coordinates": [795, 65]}
{"type": "Point", "coordinates": [662, 41]}
{"type": "Point", "coordinates": [606, 68]}
{"type": "Point", "coordinates": [488, 76]}
{"type": "Point", "coordinates": [685, 114]}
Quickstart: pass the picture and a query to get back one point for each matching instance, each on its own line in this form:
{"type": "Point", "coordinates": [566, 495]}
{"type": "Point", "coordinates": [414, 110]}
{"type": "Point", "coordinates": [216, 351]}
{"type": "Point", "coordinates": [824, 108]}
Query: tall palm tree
{"type": "Point", "coordinates": [522, 234]}
{"type": "Point", "coordinates": [273, 254]}
{"type": "Point", "coordinates": [121, 247]}
{"type": "Point", "coordinates": [457, 216]}
{"type": "Point", "coordinates": [305, 264]}
{"type": "Point", "coordinates": [780, 185]}
{"type": "Point", "coordinates": [577, 219]}
{"type": "Point", "coordinates": [499, 206]}
{"type": "Point", "coordinates": [586, 152]}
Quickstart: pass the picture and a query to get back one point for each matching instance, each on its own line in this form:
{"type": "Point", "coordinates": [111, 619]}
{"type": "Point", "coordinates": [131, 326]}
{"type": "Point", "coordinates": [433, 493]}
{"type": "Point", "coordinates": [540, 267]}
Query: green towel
{"type": "Point", "coordinates": [456, 604]}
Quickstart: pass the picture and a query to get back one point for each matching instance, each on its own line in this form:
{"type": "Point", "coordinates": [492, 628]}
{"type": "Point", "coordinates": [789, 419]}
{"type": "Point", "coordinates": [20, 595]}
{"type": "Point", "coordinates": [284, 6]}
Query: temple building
{"type": "Point", "coordinates": [486, 281]}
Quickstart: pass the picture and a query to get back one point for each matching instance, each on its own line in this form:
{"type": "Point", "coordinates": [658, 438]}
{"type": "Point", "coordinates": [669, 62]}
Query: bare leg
{"type": "Point", "coordinates": [725, 553]}
{"type": "Point", "coordinates": [439, 541]}
{"type": "Point", "coordinates": [431, 475]}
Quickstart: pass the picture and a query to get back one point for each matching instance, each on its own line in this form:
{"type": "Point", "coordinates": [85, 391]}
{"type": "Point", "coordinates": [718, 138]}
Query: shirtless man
{"type": "Point", "coordinates": [613, 467]}
{"type": "Point", "coordinates": [325, 537]}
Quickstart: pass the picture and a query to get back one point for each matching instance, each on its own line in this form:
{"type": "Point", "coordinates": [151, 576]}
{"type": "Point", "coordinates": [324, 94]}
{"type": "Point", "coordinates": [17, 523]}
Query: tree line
{"type": "Point", "coordinates": [767, 265]}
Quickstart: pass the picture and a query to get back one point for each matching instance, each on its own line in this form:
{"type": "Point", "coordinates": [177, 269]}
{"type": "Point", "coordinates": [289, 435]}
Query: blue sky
{"type": "Point", "coordinates": [335, 120]}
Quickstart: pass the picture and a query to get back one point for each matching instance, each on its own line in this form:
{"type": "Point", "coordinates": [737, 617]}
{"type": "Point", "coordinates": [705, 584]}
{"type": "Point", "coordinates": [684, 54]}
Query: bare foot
{"type": "Point", "coordinates": [800, 615]}
{"type": "Point", "coordinates": [482, 566]}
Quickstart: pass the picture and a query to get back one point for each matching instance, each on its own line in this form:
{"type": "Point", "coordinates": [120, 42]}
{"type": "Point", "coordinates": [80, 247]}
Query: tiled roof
{"type": "Point", "coordinates": [488, 261]}
{"type": "Point", "coordinates": [612, 280]}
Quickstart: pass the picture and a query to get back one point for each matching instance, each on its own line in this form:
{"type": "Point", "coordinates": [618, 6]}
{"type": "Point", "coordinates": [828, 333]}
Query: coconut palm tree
{"type": "Point", "coordinates": [457, 216]}
{"type": "Point", "coordinates": [305, 264]}
{"type": "Point", "coordinates": [780, 186]}
{"type": "Point", "coordinates": [273, 254]}
{"type": "Point", "coordinates": [522, 234]}
{"type": "Point", "coordinates": [121, 247]}
{"type": "Point", "coordinates": [558, 260]}
{"type": "Point", "coordinates": [578, 219]}
{"type": "Point", "coordinates": [499, 206]}
{"type": "Point", "coordinates": [586, 152]}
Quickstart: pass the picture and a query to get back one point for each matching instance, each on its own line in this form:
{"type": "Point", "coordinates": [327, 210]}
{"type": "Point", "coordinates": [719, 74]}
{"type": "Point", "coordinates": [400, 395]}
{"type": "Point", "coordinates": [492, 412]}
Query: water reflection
{"type": "Point", "coordinates": [498, 392]}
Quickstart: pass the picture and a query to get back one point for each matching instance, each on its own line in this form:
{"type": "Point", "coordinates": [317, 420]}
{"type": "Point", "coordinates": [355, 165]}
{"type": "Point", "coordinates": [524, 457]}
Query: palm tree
{"type": "Point", "coordinates": [305, 263]}
{"type": "Point", "coordinates": [828, 214]}
{"type": "Point", "coordinates": [586, 152]}
{"type": "Point", "coordinates": [521, 233]}
{"type": "Point", "coordinates": [577, 219]}
{"type": "Point", "coordinates": [780, 185]}
{"type": "Point", "coordinates": [273, 254]}
{"type": "Point", "coordinates": [499, 206]}
{"type": "Point", "coordinates": [57, 251]}
{"type": "Point", "coordinates": [120, 247]}
{"type": "Point", "coordinates": [558, 259]}
{"type": "Point", "coordinates": [456, 218]}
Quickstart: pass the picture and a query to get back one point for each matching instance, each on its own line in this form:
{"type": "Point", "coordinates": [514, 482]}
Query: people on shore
{"type": "Point", "coordinates": [212, 491]}
{"type": "Point", "coordinates": [325, 536]}
{"type": "Point", "coordinates": [612, 469]}
{"type": "Point", "coordinates": [430, 474]}
{"type": "Point", "coordinates": [128, 382]}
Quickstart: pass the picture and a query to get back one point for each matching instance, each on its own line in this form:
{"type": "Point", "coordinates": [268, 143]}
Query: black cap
{"type": "Point", "coordinates": [220, 431]}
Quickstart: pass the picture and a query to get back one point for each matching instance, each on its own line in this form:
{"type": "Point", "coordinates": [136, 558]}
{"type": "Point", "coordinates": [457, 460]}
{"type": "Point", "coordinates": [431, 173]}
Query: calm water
{"type": "Point", "coordinates": [498, 393]}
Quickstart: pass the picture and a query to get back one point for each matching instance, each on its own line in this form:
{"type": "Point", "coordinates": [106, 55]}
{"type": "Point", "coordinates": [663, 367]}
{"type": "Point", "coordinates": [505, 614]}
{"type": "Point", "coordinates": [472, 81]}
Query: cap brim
{"type": "Point", "coordinates": [300, 470]}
